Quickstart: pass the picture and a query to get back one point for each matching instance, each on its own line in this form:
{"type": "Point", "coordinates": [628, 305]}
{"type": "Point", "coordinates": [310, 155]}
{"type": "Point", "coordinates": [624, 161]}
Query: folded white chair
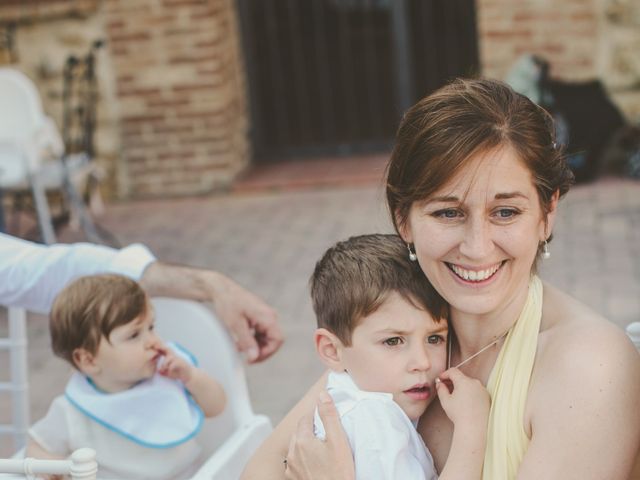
{"type": "Point", "coordinates": [32, 152]}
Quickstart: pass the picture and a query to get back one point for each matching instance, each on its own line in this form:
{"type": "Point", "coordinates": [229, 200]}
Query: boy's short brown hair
{"type": "Point", "coordinates": [90, 308]}
{"type": "Point", "coordinates": [355, 276]}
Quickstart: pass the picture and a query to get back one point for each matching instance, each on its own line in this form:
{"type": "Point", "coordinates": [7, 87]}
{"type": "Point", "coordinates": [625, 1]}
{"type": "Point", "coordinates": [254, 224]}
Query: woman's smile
{"type": "Point", "coordinates": [478, 275]}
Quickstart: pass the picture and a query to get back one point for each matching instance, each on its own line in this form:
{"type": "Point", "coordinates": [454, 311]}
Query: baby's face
{"type": "Point", "coordinates": [398, 349]}
{"type": "Point", "coordinates": [130, 355]}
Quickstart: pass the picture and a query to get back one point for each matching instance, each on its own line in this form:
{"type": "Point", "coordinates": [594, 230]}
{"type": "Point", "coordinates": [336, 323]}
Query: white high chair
{"type": "Point", "coordinates": [228, 440]}
{"type": "Point", "coordinates": [32, 153]}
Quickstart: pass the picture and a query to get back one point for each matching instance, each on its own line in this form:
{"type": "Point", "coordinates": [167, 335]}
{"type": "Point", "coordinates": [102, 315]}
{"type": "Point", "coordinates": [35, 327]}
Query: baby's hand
{"type": "Point", "coordinates": [173, 366]}
{"type": "Point", "coordinates": [466, 402]}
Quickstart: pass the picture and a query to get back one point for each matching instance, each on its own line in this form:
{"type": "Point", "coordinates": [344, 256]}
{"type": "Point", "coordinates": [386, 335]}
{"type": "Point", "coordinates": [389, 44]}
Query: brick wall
{"type": "Point", "coordinates": [582, 39]}
{"type": "Point", "coordinates": [181, 95]}
{"type": "Point", "coordinates": [564, 32]}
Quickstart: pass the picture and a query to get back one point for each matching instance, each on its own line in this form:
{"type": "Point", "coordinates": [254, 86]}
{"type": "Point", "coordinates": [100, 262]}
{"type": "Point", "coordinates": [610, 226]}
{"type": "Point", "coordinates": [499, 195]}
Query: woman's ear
{"type": "Point", "coordinates": [404, 229]}
{"type": "Point", "coordinates": [550, 219]}
{"type": "Point", "coordinates": [329, 348]}
{"type": "Point", "coordinates": [85, 361]}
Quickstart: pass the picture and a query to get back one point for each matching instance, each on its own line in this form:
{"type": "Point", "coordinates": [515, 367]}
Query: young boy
{"type": "Point", "coordinates": [135, 400]}
{"type": "Point", "coordinates": [382, 330]}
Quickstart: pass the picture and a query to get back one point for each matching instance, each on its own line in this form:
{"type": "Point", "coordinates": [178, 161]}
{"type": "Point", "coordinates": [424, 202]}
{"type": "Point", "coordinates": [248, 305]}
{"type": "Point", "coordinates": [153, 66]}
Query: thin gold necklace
{"type": "Point", "coordinates": [468, 359]}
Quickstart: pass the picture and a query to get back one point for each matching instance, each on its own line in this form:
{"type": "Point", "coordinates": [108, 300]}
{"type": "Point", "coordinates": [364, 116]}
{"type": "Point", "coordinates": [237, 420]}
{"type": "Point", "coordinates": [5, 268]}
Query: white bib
{"type": "Point", "coordinates": [156, 413]}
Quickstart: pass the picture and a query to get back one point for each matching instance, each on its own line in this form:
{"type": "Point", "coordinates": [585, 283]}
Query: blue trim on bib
{"type": "Point", "coordinates": [138, 441]}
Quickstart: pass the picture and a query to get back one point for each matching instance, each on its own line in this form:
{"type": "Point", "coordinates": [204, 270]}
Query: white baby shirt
{"type": "Point", "coordinates": [145, 432]}
{"type": "Point", "coordinates": [384, 441]}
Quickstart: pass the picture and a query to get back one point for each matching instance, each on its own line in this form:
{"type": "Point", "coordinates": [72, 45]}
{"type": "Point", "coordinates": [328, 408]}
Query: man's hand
{"type": "Point", "coordinates": [252, 323]}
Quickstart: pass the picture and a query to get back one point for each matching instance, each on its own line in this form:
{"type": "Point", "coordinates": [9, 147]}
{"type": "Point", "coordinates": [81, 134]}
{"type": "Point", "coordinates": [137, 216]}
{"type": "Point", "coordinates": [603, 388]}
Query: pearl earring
{"type": "Point", "coordinates": [545, 250]}
{"type": "Point", "coordinates": [412, 254]}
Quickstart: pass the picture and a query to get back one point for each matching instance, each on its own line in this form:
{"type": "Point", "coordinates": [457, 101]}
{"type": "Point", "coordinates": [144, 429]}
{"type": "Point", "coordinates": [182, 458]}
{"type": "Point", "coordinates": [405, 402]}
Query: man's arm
{"type": "Point", "coordinates": [31, 276]}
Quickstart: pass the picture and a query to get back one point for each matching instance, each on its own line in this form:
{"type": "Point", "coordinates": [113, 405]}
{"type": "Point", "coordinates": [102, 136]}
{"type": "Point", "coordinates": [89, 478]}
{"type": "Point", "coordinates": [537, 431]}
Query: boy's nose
{"type": "Point", "coordinates": [420, 359]}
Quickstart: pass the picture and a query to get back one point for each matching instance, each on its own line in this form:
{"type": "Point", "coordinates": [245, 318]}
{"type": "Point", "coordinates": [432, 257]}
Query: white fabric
{"type": "Point", "coordinates": [65, 429]}
{"type": "Point", "coordinates": [121, 455]}
{"type": "Point", "coordinates": [384, 441]}
{"type": "Point", "coordinates": [156, 413]}
{"type": "Point", "coordinates": [31, 275]}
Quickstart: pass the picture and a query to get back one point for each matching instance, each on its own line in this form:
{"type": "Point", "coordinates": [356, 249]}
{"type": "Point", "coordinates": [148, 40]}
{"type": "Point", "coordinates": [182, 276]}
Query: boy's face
{"type": "Point", "coordinates": [129, 356]}
{"type": "Point", "coordinates": [398, 349]}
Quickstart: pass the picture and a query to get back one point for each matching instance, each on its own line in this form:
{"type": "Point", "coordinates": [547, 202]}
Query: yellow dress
{"type": "Point", "coordinates": [508, 386]}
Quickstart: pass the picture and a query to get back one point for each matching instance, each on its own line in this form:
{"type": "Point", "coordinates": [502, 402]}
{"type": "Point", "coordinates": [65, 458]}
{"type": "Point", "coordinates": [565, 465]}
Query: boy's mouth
{"type": "Point", "coordinates": [419, 392]}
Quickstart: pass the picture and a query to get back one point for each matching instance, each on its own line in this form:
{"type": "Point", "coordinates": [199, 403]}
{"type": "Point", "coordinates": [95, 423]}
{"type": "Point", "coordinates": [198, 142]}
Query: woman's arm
{"type": "Point", "coordinates": [584, 415]}
{"type": "Point", "coordinates": [267, 462]}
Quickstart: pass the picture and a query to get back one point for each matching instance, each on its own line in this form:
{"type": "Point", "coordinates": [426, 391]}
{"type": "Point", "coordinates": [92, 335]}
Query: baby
{"type": "Point", "coordinates": [382, 330]}
{"type": "Point", "coordinates": [134, 399]}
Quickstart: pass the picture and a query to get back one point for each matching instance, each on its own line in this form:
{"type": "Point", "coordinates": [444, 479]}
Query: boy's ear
{"type": "Point", "coordinates": [329, 348]}
{"type": "Point", "coordinates": [85, 361]}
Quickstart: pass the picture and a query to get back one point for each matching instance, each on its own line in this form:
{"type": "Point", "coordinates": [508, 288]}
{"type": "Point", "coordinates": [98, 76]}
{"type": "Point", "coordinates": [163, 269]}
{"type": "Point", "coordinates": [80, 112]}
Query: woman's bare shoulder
{"type": "Point", "coordinates": [580, 354]}
{"type": "Point", "coordinates": [567, 322]}
{"type": "Point", "coordinates": [585, 380]}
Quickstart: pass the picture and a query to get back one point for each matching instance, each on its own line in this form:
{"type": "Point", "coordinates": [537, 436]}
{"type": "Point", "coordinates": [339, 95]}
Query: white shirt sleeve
{"type": "Point", "coordinates": [380, 442]}
{"type": "Point", "coordinates": [51, 431]}
{"type": "Point", "coordinates": [31, 275]}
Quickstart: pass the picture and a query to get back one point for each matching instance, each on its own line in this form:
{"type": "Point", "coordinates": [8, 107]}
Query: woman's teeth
{"type": "Point", "coordinates": [474, 275]}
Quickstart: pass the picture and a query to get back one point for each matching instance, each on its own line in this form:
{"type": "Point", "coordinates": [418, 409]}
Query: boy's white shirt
{"type": "Point", "coordinates": [384, 441]}
{"type": "Point", "coordinates": [66, 428]}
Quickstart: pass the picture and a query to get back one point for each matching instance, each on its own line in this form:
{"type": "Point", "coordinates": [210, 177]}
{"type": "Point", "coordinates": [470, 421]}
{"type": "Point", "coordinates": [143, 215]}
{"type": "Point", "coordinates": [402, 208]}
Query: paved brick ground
{"type": "Point", "coordinates": [269, 242]}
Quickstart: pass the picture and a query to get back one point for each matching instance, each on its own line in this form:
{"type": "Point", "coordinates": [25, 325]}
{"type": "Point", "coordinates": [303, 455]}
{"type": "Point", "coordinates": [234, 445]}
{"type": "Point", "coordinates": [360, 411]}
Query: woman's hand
{"type": "Point", "coordinates": [310, 458]}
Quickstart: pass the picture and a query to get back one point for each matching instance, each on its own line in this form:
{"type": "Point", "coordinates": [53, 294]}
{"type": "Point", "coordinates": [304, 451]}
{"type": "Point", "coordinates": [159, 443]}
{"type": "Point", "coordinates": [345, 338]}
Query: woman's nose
{"type": "Point", "coordinates": [477, 242]}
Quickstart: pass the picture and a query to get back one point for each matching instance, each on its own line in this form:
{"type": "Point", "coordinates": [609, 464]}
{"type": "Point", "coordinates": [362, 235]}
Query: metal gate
{"type": "Point", "coordinates": [334, 76]}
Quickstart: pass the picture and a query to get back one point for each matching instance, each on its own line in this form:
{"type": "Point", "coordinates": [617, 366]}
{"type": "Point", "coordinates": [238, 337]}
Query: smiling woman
{"type": "Point", "coordinates": [473, 187]}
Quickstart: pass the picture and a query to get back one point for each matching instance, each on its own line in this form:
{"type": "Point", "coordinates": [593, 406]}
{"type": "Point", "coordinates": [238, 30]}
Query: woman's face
{"type": "Point", "coordinates": [477, 237]}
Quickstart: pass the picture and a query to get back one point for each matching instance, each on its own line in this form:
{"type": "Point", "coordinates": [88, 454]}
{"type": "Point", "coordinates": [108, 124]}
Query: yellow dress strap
{"type": "Point", "coordinates": [508, 386]}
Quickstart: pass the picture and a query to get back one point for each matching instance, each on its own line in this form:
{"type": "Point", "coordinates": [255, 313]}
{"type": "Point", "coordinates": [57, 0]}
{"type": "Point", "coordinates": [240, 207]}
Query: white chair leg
{"type": "Point", "coordinates": [42, 209]}
{"type": "Point", "coordinates": [81, 465]}
{"type": "Point", "coordinates": [19, 376]}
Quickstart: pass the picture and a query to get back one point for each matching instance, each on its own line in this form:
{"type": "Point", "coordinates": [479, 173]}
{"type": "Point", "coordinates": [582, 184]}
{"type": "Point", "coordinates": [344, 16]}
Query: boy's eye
{"type": "Point", "coordinates": [151, 327]}
{"type": "Point", "coordinates": [134, 335]}
{"type": "Point", "coordinates": [435, 339]}
{"type": "Point", "coordinates": [392, 342]}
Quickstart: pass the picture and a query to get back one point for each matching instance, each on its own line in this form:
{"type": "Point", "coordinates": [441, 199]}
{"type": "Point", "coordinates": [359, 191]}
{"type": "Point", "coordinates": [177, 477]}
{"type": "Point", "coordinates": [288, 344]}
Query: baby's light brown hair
{"type": "Point", "coordinates": [354, 278]}
{"type": "Point", "coordinates": [91, 308]}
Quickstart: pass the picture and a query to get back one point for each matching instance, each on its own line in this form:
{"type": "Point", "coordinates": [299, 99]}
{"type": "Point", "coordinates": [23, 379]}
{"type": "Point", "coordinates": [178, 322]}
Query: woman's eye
{"type": "Point", "coordinates": [151, 327]}
{"type": "Point", "coordinates": [392, 342]}
{"type": "Point", "coordinates": [134, 335]}
{"type": "Point", "coordinates": [435, 339]}
{"type": "Point", "coordinates": [506, 213]}
{"type": "Point", "coordinates": [447, 213]}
